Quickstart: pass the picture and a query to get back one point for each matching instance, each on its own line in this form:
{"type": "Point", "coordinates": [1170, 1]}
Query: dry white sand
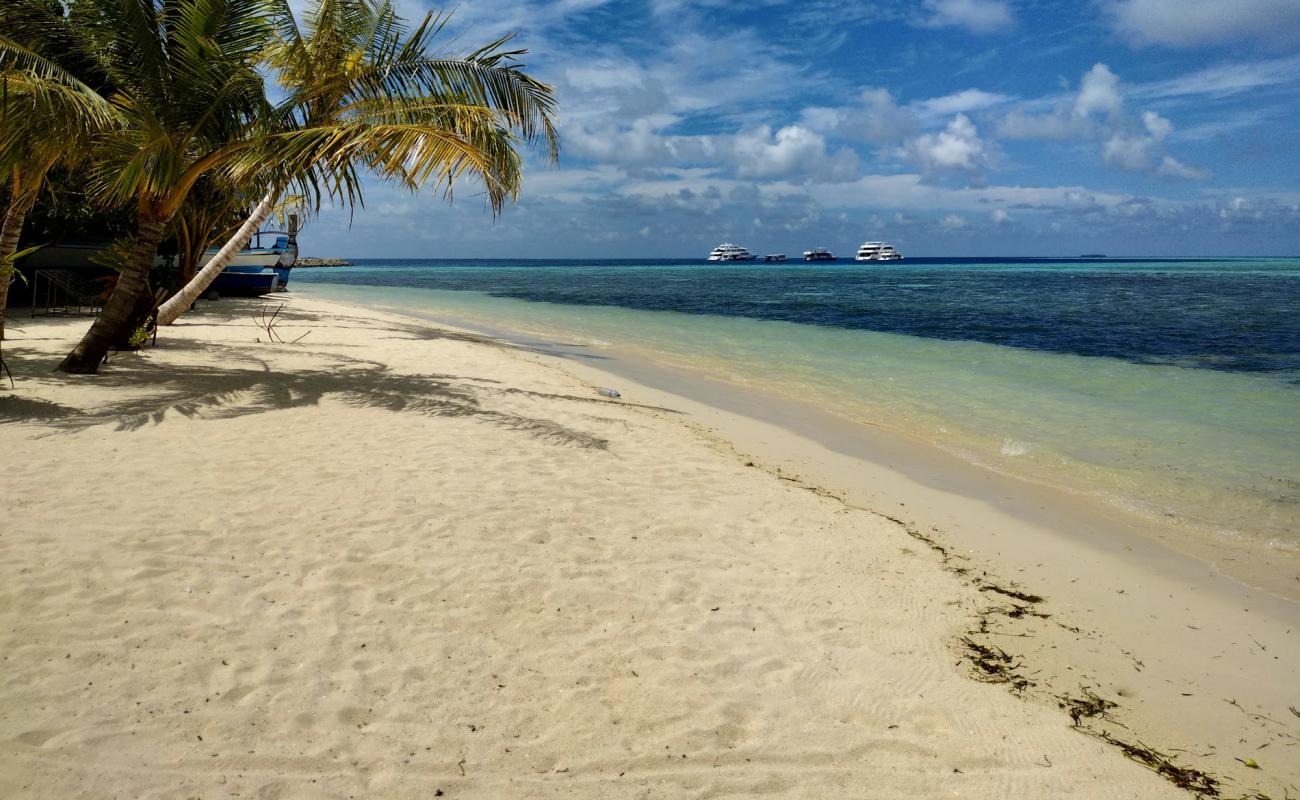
{"type": "Point", "coordinates": [389, 561]}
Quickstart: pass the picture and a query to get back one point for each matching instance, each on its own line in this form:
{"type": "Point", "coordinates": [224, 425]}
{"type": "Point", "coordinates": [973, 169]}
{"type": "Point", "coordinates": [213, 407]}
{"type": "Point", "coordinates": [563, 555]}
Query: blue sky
{"type": "Point", "coordinates": [947, 127]}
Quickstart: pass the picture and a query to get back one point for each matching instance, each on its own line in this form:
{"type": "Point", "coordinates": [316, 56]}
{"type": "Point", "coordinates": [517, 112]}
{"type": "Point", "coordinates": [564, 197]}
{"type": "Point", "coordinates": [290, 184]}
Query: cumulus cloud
{"type": "Point", "coordinates": [1098, 91]}
{"type": "Point", "coordinates": [1127, 143]}
{"type": "Point", "coordinates": [641, 142]}
{"type": "Point", "coordinates": [1143, 151]}
{"type": "Point", "coordinates": [793, 152]}
{"type": "Point", "coordinates": [957, 148]}
{"type": "Point", "coordinates": [1129, 152]}
{"type": "Point", "coordinates": [1187, 23]}
{"type": "Point", "coordinates": [875, 118]}
{"type": "Point", "coordinates": [953, 222]}
{"type": "Point", "coordinates": [976, 16]}
{"type": "Point", "coordinates": [1156, 125]}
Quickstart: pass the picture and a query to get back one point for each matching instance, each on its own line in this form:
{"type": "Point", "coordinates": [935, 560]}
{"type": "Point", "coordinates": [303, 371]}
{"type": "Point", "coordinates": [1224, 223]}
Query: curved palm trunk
{"type": "Point", "coordinates": [177, 304]}
{"type": "Point", "coordinates": [122, 313]}
{"type": "Point", "coordinates": [12, 228]}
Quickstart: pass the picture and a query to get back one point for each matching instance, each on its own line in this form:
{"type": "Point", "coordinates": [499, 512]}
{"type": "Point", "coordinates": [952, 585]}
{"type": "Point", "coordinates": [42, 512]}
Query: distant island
{"type": "Point", "coordinates": [322, 262]}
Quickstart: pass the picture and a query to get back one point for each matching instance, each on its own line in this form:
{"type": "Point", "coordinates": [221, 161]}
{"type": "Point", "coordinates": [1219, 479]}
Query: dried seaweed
{"type": "Point", "coordinates": [994, 665]}
{"type": "Point", "coordinates": [1199, 783]}
{"type": "Point", "coordinates": [1089, 706]}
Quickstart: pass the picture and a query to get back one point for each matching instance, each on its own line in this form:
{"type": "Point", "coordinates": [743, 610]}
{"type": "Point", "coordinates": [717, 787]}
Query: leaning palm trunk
{"type": "Point", "coordinates": [176, 305]}
{"type": "Point", "coordinates": [21, 200]}
{"type": "Point", "coordinates": [13, 226]}
{"type": "Point", "coordinates": [122, 313]}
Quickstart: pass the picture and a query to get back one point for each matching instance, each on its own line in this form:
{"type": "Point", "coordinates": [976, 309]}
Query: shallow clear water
{"type": "Point", "coordinates": [1170, 388]}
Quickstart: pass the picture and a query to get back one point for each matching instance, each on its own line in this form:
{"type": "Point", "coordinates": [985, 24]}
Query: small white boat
{"type": "Point", "coordinates": [730, 252]}
{"type": "Point", "coordinates": [818, 254]}
{"type": "Point", "coordinates": [774, 257]}
{"type": "Point", "coordinates": [877, 251]}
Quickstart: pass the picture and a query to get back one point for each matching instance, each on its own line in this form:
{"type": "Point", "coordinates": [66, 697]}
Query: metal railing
{"type": "Point", "coordinates": [66, 293]}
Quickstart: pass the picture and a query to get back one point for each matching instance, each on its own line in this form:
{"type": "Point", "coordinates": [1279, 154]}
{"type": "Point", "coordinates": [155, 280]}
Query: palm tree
{"type": "Point", "coordinates": [362, 92]}
{"type": "Point", "coordinates": [47, 117]}
{"type": "Point", "coordinates": [185, 87]}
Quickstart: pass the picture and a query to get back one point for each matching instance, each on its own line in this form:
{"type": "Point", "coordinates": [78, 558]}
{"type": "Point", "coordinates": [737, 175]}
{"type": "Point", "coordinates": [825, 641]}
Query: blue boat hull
{"type": "Point", "coordinates": [278, 260]}
{"type": "Point", "coordinates": [246, 281]}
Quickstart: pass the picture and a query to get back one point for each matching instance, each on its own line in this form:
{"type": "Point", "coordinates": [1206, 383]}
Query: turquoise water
{"type": "Point", "coordinates": [1171, 389]}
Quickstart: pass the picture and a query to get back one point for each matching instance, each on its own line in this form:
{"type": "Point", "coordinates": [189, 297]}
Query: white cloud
{"type": "Point", "coordinates": [1098, 91]}
{"type": "Point", "coordinates": [1132, 153]}
{"type": "Point", "coordinates": [1000, 216]}
{"type": "Point", "coordinates": [953, 222]}
{"type": "Point", "coordinates": [1186, 23]}
{"type": "Point", "coordinates": [957, 148]}
{"type": "Point", "coordinates": [642, 143]}
{"type": "Point", "coordinates": [977, 16]}
{"type": "Point", "coordinates": [1135, 145]}
{"type": "Point", "coordinates": [1171, 167]}
{"type": "Point", "coordinates": [793, 152]}
{"type": "Point", "coordinates": [1137, 152]}
{"type": "Point", "coordinates": [1018, 124]}
{"type": "Point", "coordinates": [1224, 80]}
{"type": "Point", "coordinates": [1156, 125]}
{"type": "Point", "coordinates": [960, 102]}
{"type": "Point", "coordinates": [877, 118]}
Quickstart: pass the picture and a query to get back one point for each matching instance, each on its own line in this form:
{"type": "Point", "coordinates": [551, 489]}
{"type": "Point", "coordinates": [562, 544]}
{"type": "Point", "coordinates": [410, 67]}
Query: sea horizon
{"type": "Point", "coordinates": [794, 257]}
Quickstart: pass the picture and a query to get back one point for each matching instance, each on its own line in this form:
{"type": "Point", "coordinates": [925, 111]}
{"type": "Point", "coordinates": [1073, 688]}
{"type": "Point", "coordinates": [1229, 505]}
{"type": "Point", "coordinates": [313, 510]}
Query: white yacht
{"type": "Point", "coordinates": [818, 254]}
{"type": "Point", "coordinates": [731, 252]}
{"type": "Point", "coordinates": [877, 251]}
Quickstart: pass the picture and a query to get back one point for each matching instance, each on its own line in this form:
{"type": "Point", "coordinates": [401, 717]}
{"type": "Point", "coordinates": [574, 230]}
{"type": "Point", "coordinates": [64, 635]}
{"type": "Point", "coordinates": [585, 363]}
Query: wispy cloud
{"type": "Point", "coordinates": [1188, 23]}
{"type": "Point", "coordinates": [1224, 80]}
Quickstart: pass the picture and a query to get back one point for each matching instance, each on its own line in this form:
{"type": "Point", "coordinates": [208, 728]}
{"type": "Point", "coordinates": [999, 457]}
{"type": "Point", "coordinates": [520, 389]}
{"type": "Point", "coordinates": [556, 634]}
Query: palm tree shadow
{"type": "Point", "coordinates": [431, 333]}
{"type": "Point", "coordinates": [233, 384]}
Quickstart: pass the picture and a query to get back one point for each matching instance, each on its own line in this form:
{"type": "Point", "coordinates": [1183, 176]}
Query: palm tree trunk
{"type": "Point", "coordinates": [121, 313]}
{"type": "Point", "coordinates": [177, 304]}
{"type": "Point", "coordinates": [12, 227]}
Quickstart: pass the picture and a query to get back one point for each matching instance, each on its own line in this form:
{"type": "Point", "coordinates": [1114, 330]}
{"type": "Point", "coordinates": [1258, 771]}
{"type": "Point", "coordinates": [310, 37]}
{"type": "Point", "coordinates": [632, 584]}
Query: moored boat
{"type": "Point", "coordinates": [246, 272]}
{"type": "Point", "coordinates": [730, 252]}
{"type": "Point", "coordinates": [877, 251]}
{"type": "Point", "coordinates": [774, 257]}
{"type": "Point", "coordinates": [818, 254]}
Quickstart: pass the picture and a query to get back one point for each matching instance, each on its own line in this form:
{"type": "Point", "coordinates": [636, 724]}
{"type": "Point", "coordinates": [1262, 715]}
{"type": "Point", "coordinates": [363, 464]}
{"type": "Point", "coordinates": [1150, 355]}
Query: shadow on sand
{"type": "Point", "coordinates": [236, 384]}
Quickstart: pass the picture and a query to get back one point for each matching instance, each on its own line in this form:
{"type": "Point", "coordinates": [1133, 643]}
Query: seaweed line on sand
{"type": "Point", "coordinates": [989, 663]}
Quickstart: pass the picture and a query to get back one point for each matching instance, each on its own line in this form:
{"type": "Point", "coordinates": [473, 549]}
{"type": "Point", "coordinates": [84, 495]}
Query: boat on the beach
{"type": "Point", "coordinates": [730, 252]}
{"type": "Point", "coordinates": [877, 251]}
{"type": "Point", "coordinates": [774, 257]}
{"type": "Point", "coordinates": [818, 254]}
{"type": "Point", "coordinates": [255, 269]}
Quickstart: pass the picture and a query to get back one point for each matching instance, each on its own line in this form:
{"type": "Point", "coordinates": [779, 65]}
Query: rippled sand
{"type": "Point", "coordinates": [389, 561]}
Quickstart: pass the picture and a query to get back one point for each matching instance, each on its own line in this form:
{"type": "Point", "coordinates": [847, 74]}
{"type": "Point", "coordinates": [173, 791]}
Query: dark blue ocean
{"type": "Point", "coordinates": [1241, 315]}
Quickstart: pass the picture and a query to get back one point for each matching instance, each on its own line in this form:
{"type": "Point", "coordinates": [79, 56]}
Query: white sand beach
{"type": "Point", "coordinates": [397, 560]}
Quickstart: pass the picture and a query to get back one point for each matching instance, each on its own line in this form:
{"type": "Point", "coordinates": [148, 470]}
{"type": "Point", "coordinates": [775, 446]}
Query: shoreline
{"type": "Point", "coordinates": [1176, 625]}
{"type": "Point", "coordinates": [1253, 543]}
{"type": "Point", "coordinates": [797, 638]}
